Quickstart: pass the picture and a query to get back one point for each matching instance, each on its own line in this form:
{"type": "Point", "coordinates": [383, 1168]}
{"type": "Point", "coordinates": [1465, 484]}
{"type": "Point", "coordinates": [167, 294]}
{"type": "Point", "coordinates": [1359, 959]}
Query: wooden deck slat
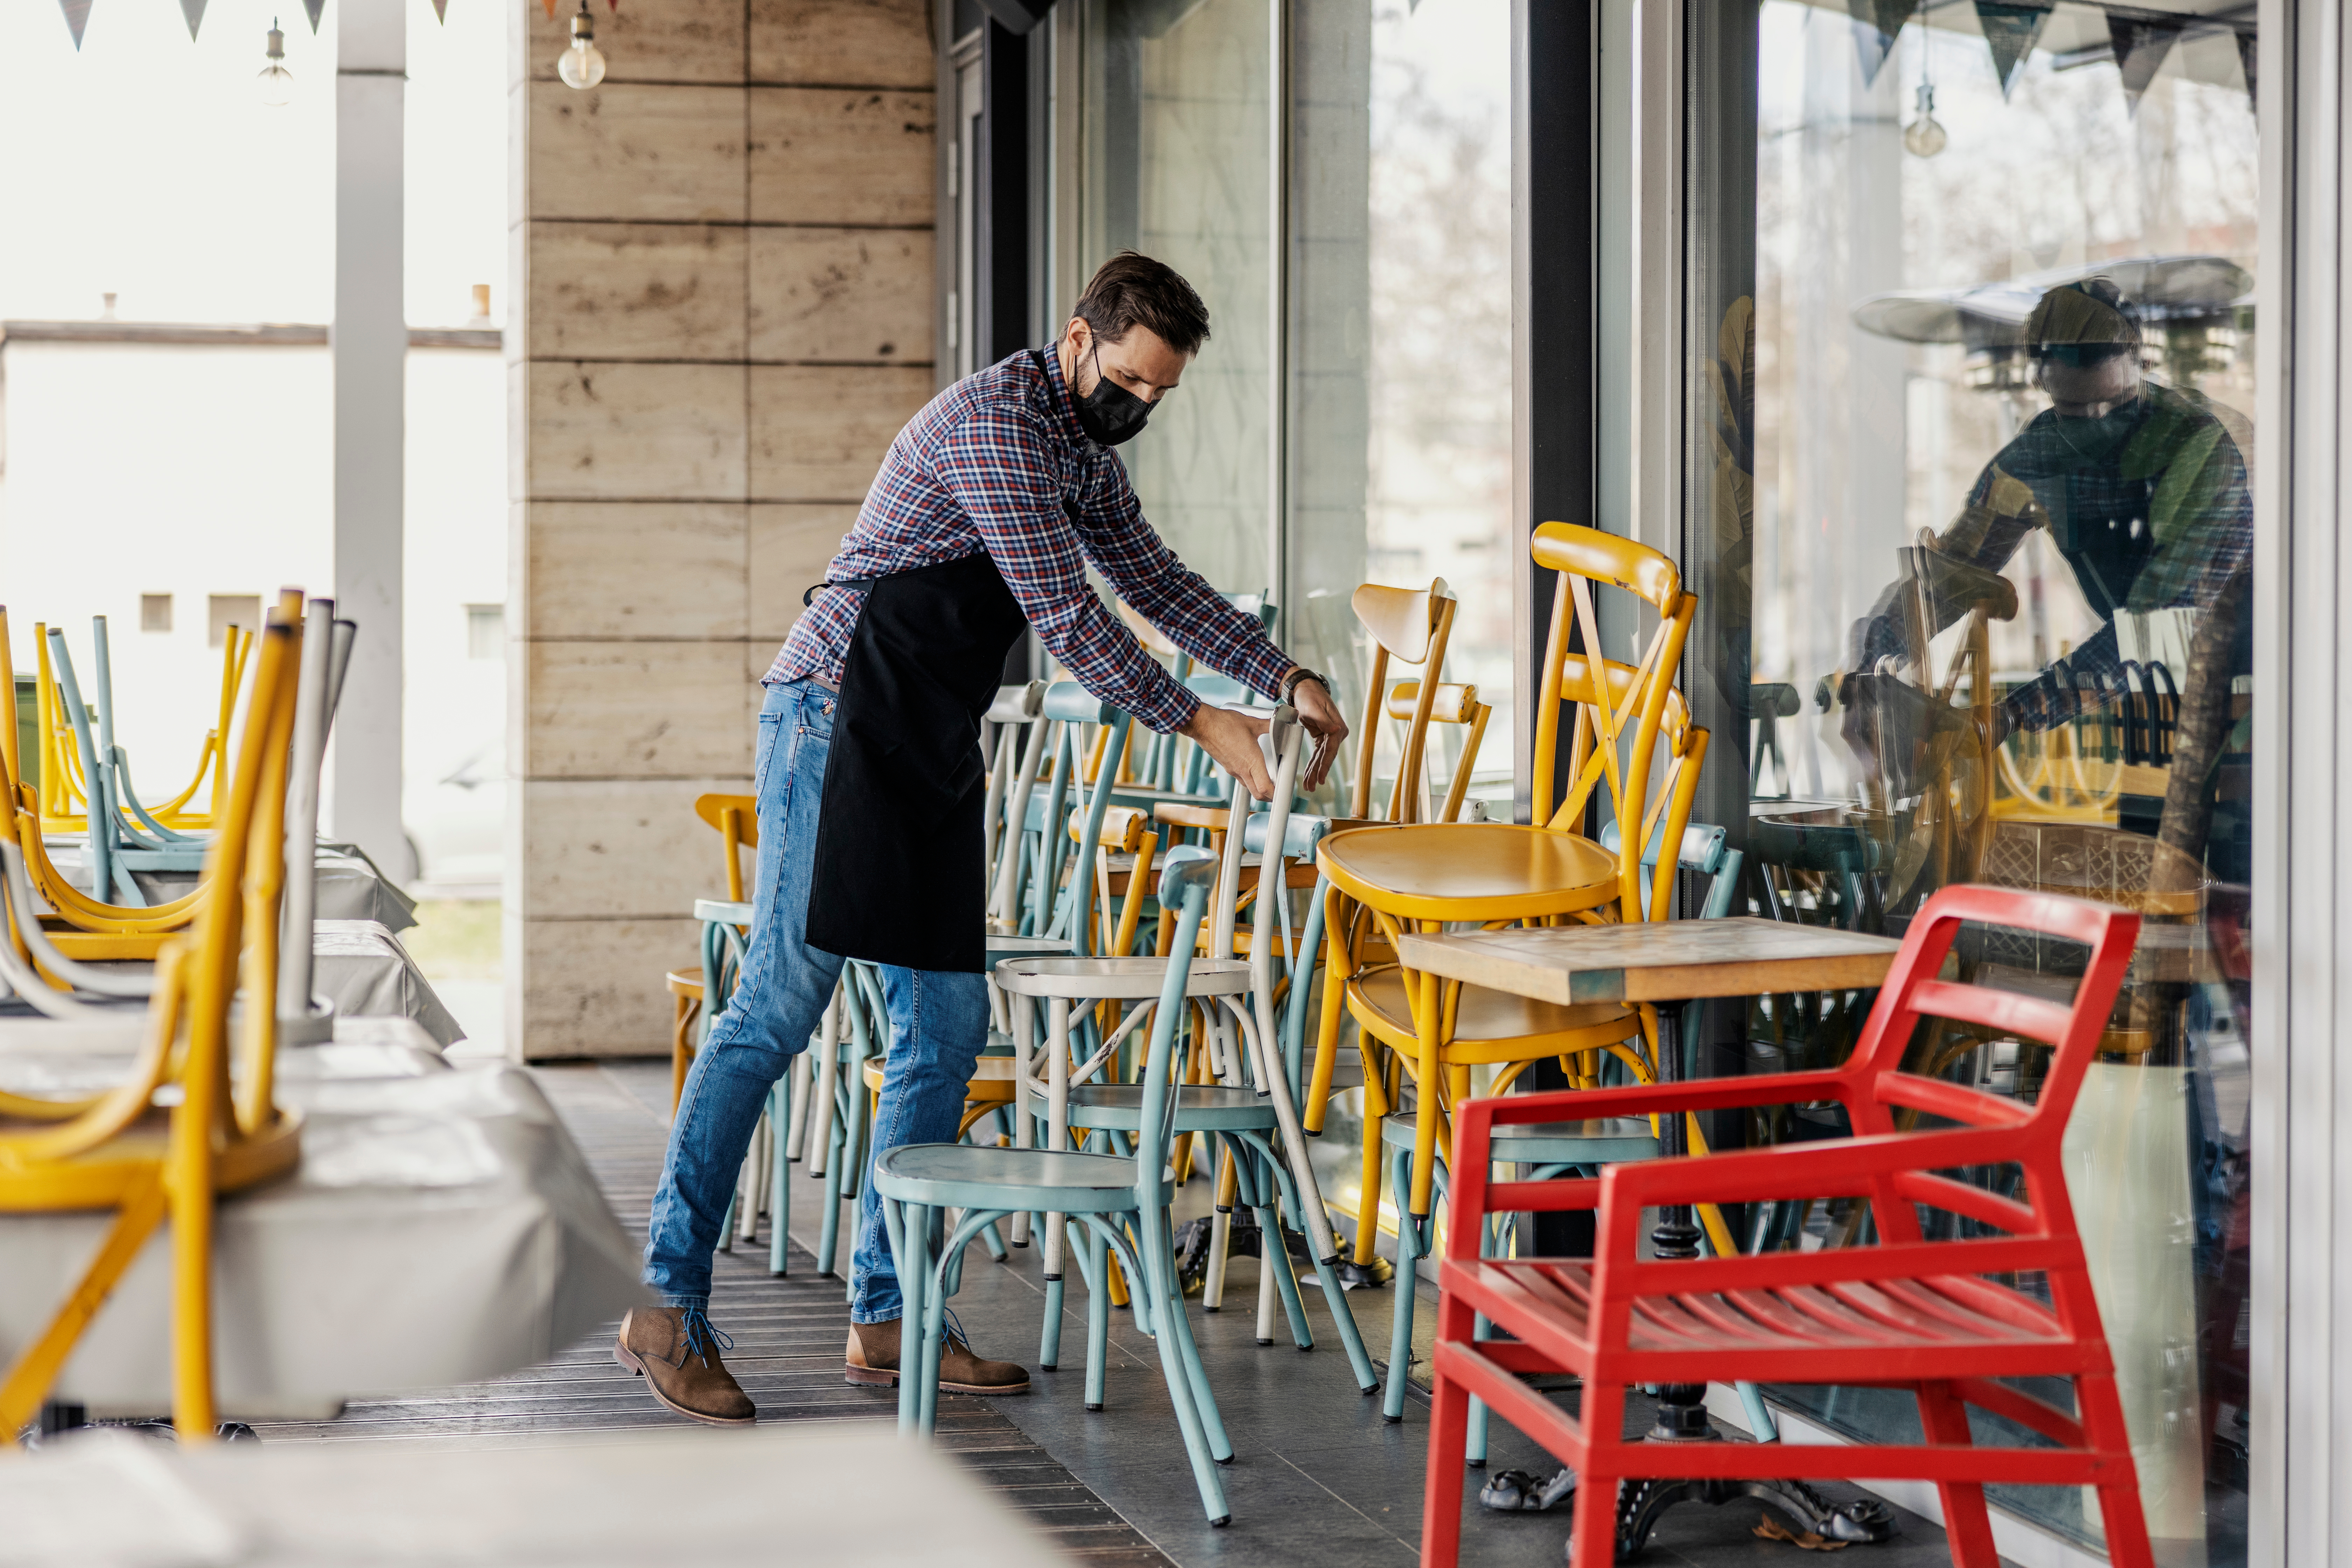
{"type": "Point", "coordinates": [788, 1336]}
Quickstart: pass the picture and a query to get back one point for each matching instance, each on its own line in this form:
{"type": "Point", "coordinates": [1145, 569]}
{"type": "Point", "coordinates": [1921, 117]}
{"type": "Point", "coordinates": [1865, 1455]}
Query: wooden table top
{"type": "Point", "coordinates": [1676, 961]}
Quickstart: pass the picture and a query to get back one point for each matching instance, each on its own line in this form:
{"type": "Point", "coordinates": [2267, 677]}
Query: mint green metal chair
{"type": "Point", "coordinates": [920, 1184]}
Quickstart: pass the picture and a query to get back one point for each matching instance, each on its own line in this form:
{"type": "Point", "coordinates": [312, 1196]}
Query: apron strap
{"type": "Point", "coordinates": [854, 584]}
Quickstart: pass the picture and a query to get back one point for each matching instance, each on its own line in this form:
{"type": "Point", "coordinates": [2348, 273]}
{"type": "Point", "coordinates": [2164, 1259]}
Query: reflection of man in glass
{"type": "Point", "coordinates": [2141, 485]}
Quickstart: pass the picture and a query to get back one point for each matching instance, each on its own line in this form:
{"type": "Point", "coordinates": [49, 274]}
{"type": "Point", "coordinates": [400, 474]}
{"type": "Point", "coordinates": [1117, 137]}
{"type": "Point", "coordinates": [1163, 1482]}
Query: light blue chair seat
{"type": "Point", "coordinates": [1200, 1107]}
{"type": "Point", "coordinates": [1597, 1142]}
{"type": "Point", "coordinates": [962, 1176]}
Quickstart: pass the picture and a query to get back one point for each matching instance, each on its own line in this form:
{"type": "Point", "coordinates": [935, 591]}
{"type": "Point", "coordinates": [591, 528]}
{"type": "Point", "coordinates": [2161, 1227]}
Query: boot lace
{"type": "Point", "coordinates": [702, 1334]}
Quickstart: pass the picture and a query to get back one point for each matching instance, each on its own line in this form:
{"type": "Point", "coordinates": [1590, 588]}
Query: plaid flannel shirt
{"type": "Point", "coordinates": [988, 465]}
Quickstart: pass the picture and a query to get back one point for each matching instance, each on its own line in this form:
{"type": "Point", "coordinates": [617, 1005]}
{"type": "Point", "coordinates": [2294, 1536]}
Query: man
{"type": "Point", "coordinates": [989, 508]}
{"type": "Point", "coordinates": [2142, 488]}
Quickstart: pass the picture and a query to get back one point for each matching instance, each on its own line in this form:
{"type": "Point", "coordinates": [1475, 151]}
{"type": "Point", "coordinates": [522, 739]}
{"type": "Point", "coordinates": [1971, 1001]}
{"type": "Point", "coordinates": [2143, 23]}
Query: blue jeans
{"type": "Point", "coordinates": [939, 1025]}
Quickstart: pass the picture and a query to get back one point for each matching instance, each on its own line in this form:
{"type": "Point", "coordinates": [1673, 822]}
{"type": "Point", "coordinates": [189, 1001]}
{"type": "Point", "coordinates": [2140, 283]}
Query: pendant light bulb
{"type": "Point", "coordinates": [275, 83]}
{"type": "Point", "coordinates": [582, 65]}
{"type": "Point", "coordinates": [1924, 138]}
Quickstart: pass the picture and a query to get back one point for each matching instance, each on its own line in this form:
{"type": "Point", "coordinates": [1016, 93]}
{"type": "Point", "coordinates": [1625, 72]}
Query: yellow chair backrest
{"type": "Point", "coordinates": [1453, 704]}
{"type": "Point", "coordinates": [1619, 719]}
{"type": "Point", "coordinates": [1409, 625]}
{"type": "Point", "coordinates": [737, 818]}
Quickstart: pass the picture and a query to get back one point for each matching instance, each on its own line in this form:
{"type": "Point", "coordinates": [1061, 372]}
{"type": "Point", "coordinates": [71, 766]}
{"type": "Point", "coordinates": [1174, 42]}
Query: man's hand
{"type": "Point", "coordinates": [1231, 740]}
{"type": "Point", "coordinates": [1320, 716]}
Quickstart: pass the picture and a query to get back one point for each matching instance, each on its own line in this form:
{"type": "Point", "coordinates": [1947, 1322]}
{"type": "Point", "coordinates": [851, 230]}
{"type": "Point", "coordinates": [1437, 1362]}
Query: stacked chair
{"type": "Point", "coordinates": [1117, 1186]}
{"type": "Point", "coordinates": [1415, 1030]}
{"type": "Point", "coordinates": [196, 1117]}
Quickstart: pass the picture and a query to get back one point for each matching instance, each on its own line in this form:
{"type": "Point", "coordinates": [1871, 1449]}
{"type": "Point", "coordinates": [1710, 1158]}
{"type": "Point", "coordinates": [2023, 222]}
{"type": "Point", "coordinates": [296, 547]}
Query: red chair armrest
{"type": "Point", "coordinates": [1831, 1168]}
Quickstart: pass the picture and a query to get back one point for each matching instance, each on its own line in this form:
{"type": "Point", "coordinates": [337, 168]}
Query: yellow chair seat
{"type": "Point", "coordinates": [103, 1177]}
{"type": "Point", "coordinates": [991, 1079]}
{"type": "Point", "coordinates": [1470, 871]}
{"type": "Point", "coordinates": [1492, 1026]}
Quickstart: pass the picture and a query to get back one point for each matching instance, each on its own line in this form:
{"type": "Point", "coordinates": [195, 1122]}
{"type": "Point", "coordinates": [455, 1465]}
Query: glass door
{"type": "Point", "coordinates": [1967, 502]}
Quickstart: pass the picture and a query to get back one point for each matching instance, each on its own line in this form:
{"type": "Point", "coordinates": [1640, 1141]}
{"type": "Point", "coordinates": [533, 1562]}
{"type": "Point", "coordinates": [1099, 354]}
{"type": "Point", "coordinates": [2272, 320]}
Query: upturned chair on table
{"type": "Point", "coordinates": [85, 927]}
{"type": "Point", "coordinates": [196, 1117]}
{"type": "Point", "coordinates": [1954, 1323]}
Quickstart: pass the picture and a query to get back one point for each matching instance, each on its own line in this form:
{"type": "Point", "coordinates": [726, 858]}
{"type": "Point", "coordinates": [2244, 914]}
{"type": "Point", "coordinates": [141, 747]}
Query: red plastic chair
{"type": "Point", "coordinates": [1906, 1314]}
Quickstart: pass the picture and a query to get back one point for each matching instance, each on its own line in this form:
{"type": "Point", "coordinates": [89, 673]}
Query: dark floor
{"type": "Point", "coordinates": [1317, 1474]}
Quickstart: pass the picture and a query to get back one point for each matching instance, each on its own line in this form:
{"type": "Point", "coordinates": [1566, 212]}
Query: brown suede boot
{"type": "Point", "coordinates": [872, 1358]}
{"type": "Point", "coordinates": [683, 1371]}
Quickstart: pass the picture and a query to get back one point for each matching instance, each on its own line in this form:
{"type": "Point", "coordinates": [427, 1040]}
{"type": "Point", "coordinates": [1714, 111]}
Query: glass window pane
{"type": "Point", "coordinates": [1972, 402]}
{"type": "Point", "coordinates": [1399, 413]}
{"type": "Point", "coordinates": [1176, 164]}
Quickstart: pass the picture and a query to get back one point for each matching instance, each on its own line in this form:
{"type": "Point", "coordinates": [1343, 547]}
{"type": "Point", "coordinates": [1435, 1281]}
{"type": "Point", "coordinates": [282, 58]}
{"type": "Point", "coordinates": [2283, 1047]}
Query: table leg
{"type": "Point", "coordinates": [1682, 1406]}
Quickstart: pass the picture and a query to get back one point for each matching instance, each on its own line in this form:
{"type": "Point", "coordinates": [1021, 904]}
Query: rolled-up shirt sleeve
{"type": "Point", "coordinates": [999, 466]}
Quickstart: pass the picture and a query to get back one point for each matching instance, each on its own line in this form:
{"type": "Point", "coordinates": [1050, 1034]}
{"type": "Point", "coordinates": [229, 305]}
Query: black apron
{"type": "Point", "coordinates": [901, 854]}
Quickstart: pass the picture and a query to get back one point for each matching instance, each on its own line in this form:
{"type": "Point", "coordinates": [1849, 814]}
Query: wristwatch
{"type": "Point", "coordinates": [1290, 682]}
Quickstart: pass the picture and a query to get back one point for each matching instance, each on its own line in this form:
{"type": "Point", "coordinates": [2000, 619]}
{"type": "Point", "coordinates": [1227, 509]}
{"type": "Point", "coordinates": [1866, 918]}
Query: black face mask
{"type": "Point", "coordinates": [1110, 414]}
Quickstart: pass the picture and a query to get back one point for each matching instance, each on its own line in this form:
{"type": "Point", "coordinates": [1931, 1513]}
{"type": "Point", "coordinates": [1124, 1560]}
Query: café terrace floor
{"type": "Point", "coordinates": [1318, 1477]}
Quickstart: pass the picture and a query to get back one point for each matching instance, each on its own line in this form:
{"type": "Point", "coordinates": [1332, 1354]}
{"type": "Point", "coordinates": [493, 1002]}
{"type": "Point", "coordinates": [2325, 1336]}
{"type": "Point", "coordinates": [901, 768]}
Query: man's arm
{"type": "Point", "coordinates": [1173, 597]}
{"type": "Point", "coordinates": [1159, 587]}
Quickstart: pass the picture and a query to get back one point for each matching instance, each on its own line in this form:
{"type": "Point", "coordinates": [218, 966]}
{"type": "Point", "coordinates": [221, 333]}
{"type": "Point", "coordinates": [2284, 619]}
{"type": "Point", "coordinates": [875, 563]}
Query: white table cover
{"type": "Point", "coordinates": [785, 1495]}
{"type": "Point", "coordinates": [441, 1228]}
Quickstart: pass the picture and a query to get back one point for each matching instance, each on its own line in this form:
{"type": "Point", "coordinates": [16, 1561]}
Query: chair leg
{"type": "Point", "coordinates": [1377, 1105]}
{"type": "Point", "coordinates": [1592, 1542]}
{"type": "Point", "coordinates": [1441, 1508]}
{"type": "Point", "coordinates": [1945, 1420]}
{"type": "Point", "coordinates": [1049, 1341]}
{"type": "Point", "coordinates": [1474, 1446]}
{"type": "Point", "coordinates": [780, 1196]}
{"type": "Point", "coordinates": [1196, 1423]}
{"type": "Point", "coordinates": [1277, 1261]}
{"type": "Point", "coordinates": [1098, 1256]}
{"type": "Point", "coordinates": [1174, 1320]}
{"type": "Point", "coordinates": [1409, 1250]}
{"type": "Point", "coordinates": [934, 1322]}
{"type": "Point", "coordinates": [828, 1241]}
{"type": "Point", "coordinates": [911, 1256]}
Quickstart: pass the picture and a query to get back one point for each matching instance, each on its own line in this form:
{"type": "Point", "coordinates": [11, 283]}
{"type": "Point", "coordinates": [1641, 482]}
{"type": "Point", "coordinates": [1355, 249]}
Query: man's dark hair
{"type": "Point", "coordinates": [1131, 290]}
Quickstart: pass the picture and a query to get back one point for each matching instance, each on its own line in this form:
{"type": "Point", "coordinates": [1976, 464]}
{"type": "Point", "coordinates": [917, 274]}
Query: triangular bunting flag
{"type": "Point", "coordinates": [2247, 50]}
{"type": "Point", "coordinates": [317, 9]}
{"type": "Point", "coordinates": [441, 12]}
{"type": "Point", "coordinates": [194, 10]}
{"type": "Point", "coordinates": [1876, 25]}
{"type": "Point", "coordinates": [550, 6]}
{"type": "Point", "coordinates": [2140, 48]}
{"type": "Point", "coordinates": [2010, 31]}
{"type": "Point", "coordinates": [76, 18]}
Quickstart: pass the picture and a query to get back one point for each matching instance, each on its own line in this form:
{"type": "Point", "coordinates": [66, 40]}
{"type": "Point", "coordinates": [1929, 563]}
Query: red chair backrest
{"type": "Point", "coordinates": [1912, 990]}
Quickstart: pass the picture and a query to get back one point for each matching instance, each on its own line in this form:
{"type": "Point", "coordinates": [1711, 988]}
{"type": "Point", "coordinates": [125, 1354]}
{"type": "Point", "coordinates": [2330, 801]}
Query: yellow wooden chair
{"type": "Point", "coordinates": [1408, 626]}
{"type": "Point", "coordinates": [222, 1131]}
{"type": "Point", "coordinates": [1427, 876]}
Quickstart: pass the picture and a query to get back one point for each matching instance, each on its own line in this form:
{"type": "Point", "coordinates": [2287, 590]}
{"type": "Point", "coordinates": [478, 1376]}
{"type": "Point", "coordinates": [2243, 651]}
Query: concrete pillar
{"type": "Point", "coordinates": [370, 344]}
{"type": "Point", "coordinates": [723, 265]}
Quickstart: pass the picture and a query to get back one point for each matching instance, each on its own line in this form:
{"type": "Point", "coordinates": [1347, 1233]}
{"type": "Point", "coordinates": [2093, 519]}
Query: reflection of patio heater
{"type": "Point", "coordinates": [2192, 306]}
